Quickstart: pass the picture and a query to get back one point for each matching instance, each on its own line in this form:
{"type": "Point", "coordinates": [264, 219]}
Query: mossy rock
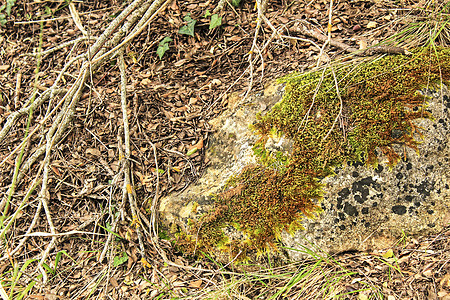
{"type": "Point", "coordinates": [268, 182]}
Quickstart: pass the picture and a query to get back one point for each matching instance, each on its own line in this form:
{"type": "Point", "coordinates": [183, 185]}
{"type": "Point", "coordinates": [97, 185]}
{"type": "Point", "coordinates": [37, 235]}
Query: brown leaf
{"type": "Point", "coordinates": [445, 281]}
{"type": "Point", "coordinates": [93, 151]}
{"type": "Point", "coordinates": [196, 284]}
{"type": "Point", "coordinates": [197, 146]}
{"type": "Point", "coordinates": [114, 282]}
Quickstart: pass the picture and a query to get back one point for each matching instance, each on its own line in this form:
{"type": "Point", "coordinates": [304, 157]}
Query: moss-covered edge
{"type": "Point", "coordinates": [376, 105]}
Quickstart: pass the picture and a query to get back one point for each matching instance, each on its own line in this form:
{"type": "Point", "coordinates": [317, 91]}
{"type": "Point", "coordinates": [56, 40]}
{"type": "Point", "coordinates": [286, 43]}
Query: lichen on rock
{"type": "Point", "coordinates": [317, 127]}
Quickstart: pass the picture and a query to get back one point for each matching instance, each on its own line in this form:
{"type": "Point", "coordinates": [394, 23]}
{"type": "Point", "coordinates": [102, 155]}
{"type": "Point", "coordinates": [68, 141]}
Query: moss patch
{"type": "Point", "coordinates": [376, 108]}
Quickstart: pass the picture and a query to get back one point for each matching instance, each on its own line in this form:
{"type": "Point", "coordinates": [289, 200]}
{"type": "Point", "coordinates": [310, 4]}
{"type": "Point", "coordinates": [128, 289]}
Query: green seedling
{"type": "Point", "coordinates": [215, 21]}
{"type": "Point", "coordinates": [188, 29]}
{"type": "Point", "coordinates": [51, 270]}
{"type": "Point", "coordinates": [120, 259]}
{"type": "Point", "coordinates": [207, 13]}
{"type": "Point", "coordinates": [7, 8]}
{"type": "Point", "coordinates": [235, 3]}
{"type": "Point", "coordinates": [163, 46]}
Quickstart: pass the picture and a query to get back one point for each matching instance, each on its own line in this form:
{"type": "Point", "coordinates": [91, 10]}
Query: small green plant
{"type": "Point", "coordinates": [207, 13]}
{"type": "Point", "coordinates": [215, 21]}
{"type": "Point", "coordinates": [120, 259]}
{"type": "Point", "coordinates": [235, 3]}
{"type": "Point", "coordinates": [53, 270]}
{"type": "Point", "coordinates": [188, 29]}
{"type": "Point", "coordinates": [10, 280]}
{"type": "Point", "coordinates": [48, 11]}
{"type": "Point", "coordinates": [163, 46]}
{"type": "Point", "coordinates": [7, 8]}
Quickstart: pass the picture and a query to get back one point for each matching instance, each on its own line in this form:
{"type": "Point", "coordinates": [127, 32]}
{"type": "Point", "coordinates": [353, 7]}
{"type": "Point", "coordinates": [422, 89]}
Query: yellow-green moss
{"type": "Point", "coordinates": [379, 103]}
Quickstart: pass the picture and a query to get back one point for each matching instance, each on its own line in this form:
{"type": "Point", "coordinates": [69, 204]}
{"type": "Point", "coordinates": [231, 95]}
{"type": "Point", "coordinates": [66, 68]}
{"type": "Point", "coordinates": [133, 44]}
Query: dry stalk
{"type": "Point", "coordinates": [127, 185]}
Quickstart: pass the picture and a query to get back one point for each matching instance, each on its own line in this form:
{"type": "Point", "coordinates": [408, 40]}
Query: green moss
{"type": "Point", "coordinates": [378, 102]}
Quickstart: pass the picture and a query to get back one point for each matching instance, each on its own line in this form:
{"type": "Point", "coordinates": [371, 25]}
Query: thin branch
{"type": "Point", "coordinates": [127, 185]}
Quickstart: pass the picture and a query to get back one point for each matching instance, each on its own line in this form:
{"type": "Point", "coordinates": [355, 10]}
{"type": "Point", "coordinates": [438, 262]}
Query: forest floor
{"type": "Point", "coordinates": [171, 101]}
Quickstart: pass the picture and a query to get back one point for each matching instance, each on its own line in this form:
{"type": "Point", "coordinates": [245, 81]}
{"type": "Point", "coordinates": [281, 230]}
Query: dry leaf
{"type": "Point", "coordinates": [197, 146]}
{"type": "Point", "coordinates": [445, 281]}
{"type": "Point", "coordinates": [146, 81]}
{"type": "Point", "coordinates": [362, 44]}
{"type": "Point", "coordinates": [371, 24]}
{"type": "Point", "coordinates": [114, 282]}
{"type": "Point", "coordinates": [196, 284]}
{"type": "Point", "coordinates": [428, 272]}
{"type": "Point", "coordinates": [442, 294]}
{"type": "Point", "coordinates": [93, 151]}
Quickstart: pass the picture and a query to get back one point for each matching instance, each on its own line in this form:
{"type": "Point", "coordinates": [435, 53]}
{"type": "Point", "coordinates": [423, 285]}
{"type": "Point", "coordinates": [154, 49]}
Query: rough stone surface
{"type": "Point", "coordinates": [229, 151]}
{"type": "Point", "coordinates": [364, 208]}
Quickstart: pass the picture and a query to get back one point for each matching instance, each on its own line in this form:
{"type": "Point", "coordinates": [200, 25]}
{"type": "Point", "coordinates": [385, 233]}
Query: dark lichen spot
{"type": "Point", "coordinates": [399, 176]}
{"type": "Point", "coordinates": [417, 204]}
{"type": "Point", "coordinates": [375, 204]}
{"type": "Point", "coordinates": [399, 209]}
{"type": "Point", "coordinates": [379, 169]}
{"type": "Point", "coordinates": [408, 166]}
{"type": "Point", "coordinates": [365, 210]}
{"type": "Point", "coordinates": [360, 189]}
{"type": "Point", "coordinates": [368, 181]}
{"type": "Point", "coordinates": [341, 216]}
{"type": "Point", "coordinates": [342, 227]}
{"type": "Point", "coordinates": [344, 193]}
{"type": "Point", "coordinates": [409, 198]}
{"type": "Point", "coordinates": [339, 203]}
{"type": "Point", "coordinates": [355, 174]}
{"type": "Point", "coordinates": [446, 100]}
{"type": "Point", "coordinates": [424, 188]}
{"type": "Point", "coordinates": [359, 199]}
{"type": "Point", "coordinates": [355, 164]}
{"type": "Point", "coordinates": [350, 210]}
{"type": "Point", "coordinates": [430, 211]}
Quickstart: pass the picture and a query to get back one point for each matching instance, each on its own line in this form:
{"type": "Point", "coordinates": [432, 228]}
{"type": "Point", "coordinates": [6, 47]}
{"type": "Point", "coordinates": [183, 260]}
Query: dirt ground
{"type": "Point", "coordinates": [171, 100]}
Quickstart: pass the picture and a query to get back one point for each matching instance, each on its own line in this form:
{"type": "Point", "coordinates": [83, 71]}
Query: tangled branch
{"type": "Point", "coordinates": [126, 26]}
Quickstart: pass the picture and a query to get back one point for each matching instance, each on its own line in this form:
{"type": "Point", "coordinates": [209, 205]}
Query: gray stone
{"type": "Point", "coordinates": [229, 151]}
{"type": "Point", "coordinates": [364, 208]}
